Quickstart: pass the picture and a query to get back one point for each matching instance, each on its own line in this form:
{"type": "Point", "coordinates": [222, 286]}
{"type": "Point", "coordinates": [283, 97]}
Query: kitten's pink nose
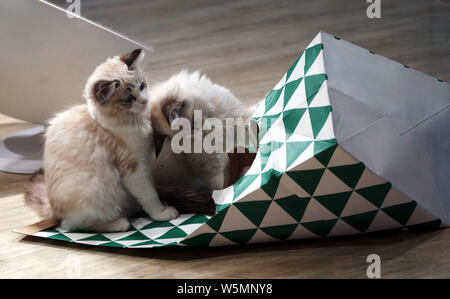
{"type": "Point", "coordinates": [143, 102]}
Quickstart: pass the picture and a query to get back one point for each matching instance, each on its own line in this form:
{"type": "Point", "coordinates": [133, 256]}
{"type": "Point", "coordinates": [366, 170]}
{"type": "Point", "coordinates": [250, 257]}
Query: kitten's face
{"type": "Point", "coordinates": [117, 87]}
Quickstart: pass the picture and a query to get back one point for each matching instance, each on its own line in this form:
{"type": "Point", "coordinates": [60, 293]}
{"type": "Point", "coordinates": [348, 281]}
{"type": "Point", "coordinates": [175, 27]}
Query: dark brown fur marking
{"type": "Point", "coordinates": [188, 200]}
{"type": "Point", "coordinates": [130, 58]}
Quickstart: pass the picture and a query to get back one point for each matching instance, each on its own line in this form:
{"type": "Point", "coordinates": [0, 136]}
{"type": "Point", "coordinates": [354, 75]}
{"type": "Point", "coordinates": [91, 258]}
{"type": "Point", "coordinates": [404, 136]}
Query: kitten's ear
{"type": "Point", "coordinates": [175, 112]}
{"type": "Point", "coordinates": [133, 58]}
{"type": "Point", "coordinates": [103, 90]}
{"type": "Point", "coordinates": [175, 109]}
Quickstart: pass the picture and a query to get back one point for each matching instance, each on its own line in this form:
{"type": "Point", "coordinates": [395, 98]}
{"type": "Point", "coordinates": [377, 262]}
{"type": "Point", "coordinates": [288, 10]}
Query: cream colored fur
{"type": "Point", "coordinates": [97, 157]}
{"type": "Point", "coordinates": [196, 92]}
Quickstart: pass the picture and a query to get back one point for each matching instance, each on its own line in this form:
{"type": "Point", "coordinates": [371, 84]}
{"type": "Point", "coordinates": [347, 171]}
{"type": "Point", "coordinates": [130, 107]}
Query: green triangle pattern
{"type": "Point", "coordinates": [134, 236]}
{"type": "Point", "coordinates": [270, 181]}
{"type": "Point", "coordinates": [272, 98]}
{"type": "Point", "coordinates": [295, 206]}
{"type": "Point", "coordinates": [375, 194]}
{"type": "Point", "coordinates": [335, 203]}
{"type": "Point", "coordinates": [291, 69]}
{"type": "Point", "coordinates": [61, 237]}
{"type": "Point", "coordinates": [318, 116]}
{"type": "Point", "coordinates": [239, 236]}
{"type": "Point", "coordinates": [311, 55]}
{"type": "Point", "coordinates": [242, 184]}
{"type": "Point", "coordinates": [324, 156]}
{"type": "Point", "coordinates": [197, 218]}
{"type": "Point", "coordinates": [307, 179]}
{"type": "Point", "coordinates": [289, 90]}
{"type": "Point", "coordinates": [349, 174]}
{"type": "Point", "coordinates": [264, 154]}
{"type": "Point", "coordinates": [157, 224]}
{"type": "Point", "coordinates": [173, 233]}
{"type": "Point", "coordinates": [320, 227]}
{"type": "Point", "coordinates": [200, 240]}
{"type": "Point", "coordinates": [291, 118]}
{"type": "Point", "coordinates": [221, 207]}
{"type": "Point", "coordinates": [112, 244]}
{"type": "Point", "coordinates": [97, 237]}
{"type": "Point", "coordinates": [146, 243]}
{"type": "Point", "coordinates": [254, 210]}
{"type": "Point", "coordinates": [266, 149]}
{"type": "Point", "coordinates": [216, 222]}
{"type": "Point", "coordinates": [312, 86]}
{"type": "Point", "coordinates": [294, 150]}
{"type": "Point", "coordinates": [361, 221]}
{"type": "Point", "coordinates": [265, 123]}
{"type": "Point", "coordinates": [280, 232]}
{"type": "Point", "coordinates": [321, 145]}
{"type": "Point", "coordinates": [402, 212]}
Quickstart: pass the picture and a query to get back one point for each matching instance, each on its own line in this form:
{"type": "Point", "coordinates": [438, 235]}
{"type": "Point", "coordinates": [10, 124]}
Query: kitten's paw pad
{"type": "Point", "coordinates": [167, 213]}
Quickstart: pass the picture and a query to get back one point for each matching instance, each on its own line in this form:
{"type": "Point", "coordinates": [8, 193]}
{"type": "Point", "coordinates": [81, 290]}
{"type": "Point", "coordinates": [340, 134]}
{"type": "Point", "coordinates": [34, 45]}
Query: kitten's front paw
{"type": "Point", "coordinates": [167, 213]}
{"type": "Point", "coordinates": [120, 225]}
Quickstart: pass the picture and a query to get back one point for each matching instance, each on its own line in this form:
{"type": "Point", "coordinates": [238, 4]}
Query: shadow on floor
{"type": "Point", "coordinates": [388, 243]}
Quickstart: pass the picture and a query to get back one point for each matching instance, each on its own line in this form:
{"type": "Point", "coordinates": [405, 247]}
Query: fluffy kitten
{"type": "Point", "coordinates": [97, 156]}
{"type": "Point", "coordinates": [178, 97]}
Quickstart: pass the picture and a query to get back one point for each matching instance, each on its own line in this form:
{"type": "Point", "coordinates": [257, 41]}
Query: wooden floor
{"type": "Point", "coordinates": [246, 46]}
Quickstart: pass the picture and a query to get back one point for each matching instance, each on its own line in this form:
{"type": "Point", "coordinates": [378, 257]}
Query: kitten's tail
{"type": "Point", "coordinates": [36, 195]}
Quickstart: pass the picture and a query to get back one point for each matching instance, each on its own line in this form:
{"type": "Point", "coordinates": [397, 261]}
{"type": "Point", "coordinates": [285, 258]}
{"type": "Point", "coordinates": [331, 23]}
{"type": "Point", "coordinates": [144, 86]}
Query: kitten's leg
{"type": "Point", "coordinates": [139, 184]}
{"type": "Point", "coordinates": [82, 221]}
{"type": "Point", "coordinates": [119, 225]}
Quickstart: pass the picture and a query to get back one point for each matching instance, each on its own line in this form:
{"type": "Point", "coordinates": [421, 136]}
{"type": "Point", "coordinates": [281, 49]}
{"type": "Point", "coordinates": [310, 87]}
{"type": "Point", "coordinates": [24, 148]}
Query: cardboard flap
{"type": "Point", "coordinates": [36, 227]}
{"type": "Point", "coordinates": [407, 96]}
{"type": "Point", "coordinates": [392, 118]}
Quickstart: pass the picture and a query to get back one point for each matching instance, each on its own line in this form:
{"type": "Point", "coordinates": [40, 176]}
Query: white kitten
{"type": "Point", "coordinates": [97, 156]}
{"type": "Point", "coordinates": [180, 96]}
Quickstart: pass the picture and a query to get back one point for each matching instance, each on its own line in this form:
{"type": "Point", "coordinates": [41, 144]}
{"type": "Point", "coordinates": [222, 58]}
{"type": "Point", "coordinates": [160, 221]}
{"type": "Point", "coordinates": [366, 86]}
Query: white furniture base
{"type": "Point", "coordinates": [22, 152]}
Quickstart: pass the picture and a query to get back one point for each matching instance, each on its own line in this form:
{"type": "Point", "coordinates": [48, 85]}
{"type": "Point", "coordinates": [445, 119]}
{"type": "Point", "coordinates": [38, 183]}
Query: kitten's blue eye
{"type": "Point", "coordinates": [142, 86]}
{"type": "Point", "coordinates": [129, 99]}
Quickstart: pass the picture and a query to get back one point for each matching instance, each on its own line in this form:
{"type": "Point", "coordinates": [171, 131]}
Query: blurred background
{"type": "Point", "coordinates": [248, 45]}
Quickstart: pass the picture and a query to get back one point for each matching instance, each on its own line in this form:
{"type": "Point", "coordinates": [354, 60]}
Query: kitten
{"type": "Point", "coordinates": [178, 97]}
{"type": "Point", "coordinates": [97, 156]}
